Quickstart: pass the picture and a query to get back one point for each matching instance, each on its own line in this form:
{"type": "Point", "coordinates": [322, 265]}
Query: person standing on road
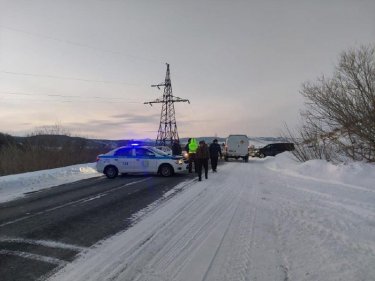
{"type": "Point", "coordinates": [215, 151]}
{"type": "Point", "coordinates": [187, 146]}
{"type": "Point", "coordinates": [192, 146]}
{"type": "Point", "coordinates": [201, 158]}
{"type": "Point", "coordinates": [176, 148]}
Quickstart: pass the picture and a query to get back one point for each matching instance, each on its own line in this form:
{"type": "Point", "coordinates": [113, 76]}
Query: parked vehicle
{"type": "Point", "coordinates": [237, 146]}
{"type": "Point", "coordinates": [139, 159]}
{"type": "Point", "coordinates": [273, 149]}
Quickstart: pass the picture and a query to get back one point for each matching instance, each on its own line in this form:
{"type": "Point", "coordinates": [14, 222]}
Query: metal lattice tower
{"type": "Point", "coordinates": [168, 127]}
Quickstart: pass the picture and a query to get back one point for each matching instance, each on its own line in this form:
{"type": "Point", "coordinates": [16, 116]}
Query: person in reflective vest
{"type": "Point", "coordinates": [192, 145]}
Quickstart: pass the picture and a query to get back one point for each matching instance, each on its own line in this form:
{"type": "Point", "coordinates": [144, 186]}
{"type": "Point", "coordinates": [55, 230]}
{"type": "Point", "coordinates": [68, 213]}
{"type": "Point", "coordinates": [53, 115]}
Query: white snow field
{"type": "Point", "coordinates": [269, 219]}
{"type": "Point", "coordinates": [16, 186]}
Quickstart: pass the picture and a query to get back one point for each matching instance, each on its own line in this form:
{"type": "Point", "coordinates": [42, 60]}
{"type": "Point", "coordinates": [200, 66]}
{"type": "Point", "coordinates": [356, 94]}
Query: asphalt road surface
{"type": "Point", "coordinates": [47, 229]}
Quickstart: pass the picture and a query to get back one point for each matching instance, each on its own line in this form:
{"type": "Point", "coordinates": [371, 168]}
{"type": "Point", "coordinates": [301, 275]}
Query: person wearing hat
{"type": "Point", "coordinates": [215, 151]}
{"type": "Point", "coordinates": [201, 157]}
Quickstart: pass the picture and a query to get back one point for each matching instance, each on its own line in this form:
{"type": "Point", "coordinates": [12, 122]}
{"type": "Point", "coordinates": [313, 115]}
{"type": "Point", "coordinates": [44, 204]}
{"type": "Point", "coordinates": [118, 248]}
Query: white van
{"type": "Point", "coordinates": [237, 146]}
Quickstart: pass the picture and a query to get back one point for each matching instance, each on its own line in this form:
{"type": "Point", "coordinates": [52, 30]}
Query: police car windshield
{"type": "Point", "coordinates": [158, 151]}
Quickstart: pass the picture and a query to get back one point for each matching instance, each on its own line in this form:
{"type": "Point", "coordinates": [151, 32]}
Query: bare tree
{"type": "Point", "coordinates": [340, 111]}
{"type": "Point", "coordinates": [309, 144]}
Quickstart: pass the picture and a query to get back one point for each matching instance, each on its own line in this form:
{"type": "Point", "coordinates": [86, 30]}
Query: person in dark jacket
{"type": "Point", "coordinates": [201, 157]}
{"type": "Point", "coordinates": [176, 148]}
{"type": "Point", "coordinates": [187, 146]}
{"type": "Point", "coordinates": [215, 151]}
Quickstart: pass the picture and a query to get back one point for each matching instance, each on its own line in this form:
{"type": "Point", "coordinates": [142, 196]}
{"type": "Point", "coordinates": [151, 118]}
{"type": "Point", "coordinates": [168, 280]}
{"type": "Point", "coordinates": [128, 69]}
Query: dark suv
{"type": "Point", "coordinates": [273, 149]}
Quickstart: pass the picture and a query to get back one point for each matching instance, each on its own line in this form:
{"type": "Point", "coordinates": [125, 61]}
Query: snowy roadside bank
{"type": "Point", "coordinates": [354, 173]}
{"type": "Point", "coordinates": [15, 186]}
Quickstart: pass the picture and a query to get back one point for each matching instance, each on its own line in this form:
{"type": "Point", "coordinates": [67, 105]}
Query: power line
{"type": "Point", "coordinates": [122, 100]}
{"type": "Point", "coordinates": [69, 78]}
{"type": "Point", "coordinates": [64, 101]}
{"type": "Point", "coordinates": [36, 100]}
{"type": "Point", "coordinates": [78, 44]}
{"type": "Point", "coordinates": [60, 101]}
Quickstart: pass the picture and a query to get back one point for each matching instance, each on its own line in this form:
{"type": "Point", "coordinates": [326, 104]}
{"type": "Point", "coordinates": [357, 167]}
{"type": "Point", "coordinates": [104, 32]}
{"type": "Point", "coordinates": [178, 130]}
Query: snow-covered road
{"type": "Point", "coordinates": [249, 221]}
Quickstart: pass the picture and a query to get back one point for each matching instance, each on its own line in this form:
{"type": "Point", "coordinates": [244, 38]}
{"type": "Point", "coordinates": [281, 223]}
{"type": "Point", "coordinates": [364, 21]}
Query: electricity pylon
{"type": "Point", "coordinates": [168, 127]}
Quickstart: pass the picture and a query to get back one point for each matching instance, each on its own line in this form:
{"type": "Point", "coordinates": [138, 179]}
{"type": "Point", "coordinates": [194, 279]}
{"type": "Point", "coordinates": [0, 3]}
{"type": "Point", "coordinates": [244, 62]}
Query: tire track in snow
{"type": "Point", "coordinates": [233, 258]}
{"type": "Point", "coordinates": [191, 234]}
{"type": "Point", "coordinates": [331, 229]}
{"type": "Point", "coordinates": [176, 252]}
{"type": "Point", "coordinates": [134, 259]}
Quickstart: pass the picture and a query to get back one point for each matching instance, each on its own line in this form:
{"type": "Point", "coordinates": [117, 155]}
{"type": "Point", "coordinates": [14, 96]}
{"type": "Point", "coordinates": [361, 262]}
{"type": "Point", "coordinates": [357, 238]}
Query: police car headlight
{"type": "Point", "coordinates": [180, 162]}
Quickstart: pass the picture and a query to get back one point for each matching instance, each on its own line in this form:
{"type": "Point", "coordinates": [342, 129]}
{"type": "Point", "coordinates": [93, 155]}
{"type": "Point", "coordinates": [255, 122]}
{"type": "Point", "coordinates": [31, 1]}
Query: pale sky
{"type": "Point", "coordinates": [88, 64]}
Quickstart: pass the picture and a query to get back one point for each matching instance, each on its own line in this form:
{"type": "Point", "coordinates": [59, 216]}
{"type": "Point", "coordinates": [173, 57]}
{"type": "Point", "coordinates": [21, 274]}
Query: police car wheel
{"type": "Point", "coordinates": [166, 170]}
{"type": "Point", "coordinates": [111, 172]}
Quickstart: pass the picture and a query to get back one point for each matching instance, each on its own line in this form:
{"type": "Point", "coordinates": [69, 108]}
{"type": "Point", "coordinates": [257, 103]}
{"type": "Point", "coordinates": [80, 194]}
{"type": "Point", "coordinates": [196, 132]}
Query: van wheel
{"type": "Point", "coordinates": [111, 172]}
{"type": "Point", "coordinates": [166, 170]}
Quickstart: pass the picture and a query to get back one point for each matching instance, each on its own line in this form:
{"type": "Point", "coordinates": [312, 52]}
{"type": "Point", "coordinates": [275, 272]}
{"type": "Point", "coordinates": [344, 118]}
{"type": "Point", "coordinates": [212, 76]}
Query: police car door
{"type": "Point", "coordinates": [124, 160]}
{"type": "Point", "coordinates": [145, 161]}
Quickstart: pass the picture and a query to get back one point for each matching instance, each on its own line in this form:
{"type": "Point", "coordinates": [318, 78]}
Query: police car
{"type": "Point", "coordinates": [139, 159]}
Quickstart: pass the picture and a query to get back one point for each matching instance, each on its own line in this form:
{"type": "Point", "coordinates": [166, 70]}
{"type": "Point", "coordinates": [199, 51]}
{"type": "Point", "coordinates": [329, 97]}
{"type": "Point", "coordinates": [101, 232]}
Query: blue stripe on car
{"type": "Point", "coordinates": [135, 157]}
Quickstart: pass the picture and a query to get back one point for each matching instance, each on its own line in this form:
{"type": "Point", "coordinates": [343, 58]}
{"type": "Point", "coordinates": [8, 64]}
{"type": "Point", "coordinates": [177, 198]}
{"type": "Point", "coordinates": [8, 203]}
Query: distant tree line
{"type": "Point", "coordinates": [46, 148]}
{"type": "Point", "coordinates": [339, 119]}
